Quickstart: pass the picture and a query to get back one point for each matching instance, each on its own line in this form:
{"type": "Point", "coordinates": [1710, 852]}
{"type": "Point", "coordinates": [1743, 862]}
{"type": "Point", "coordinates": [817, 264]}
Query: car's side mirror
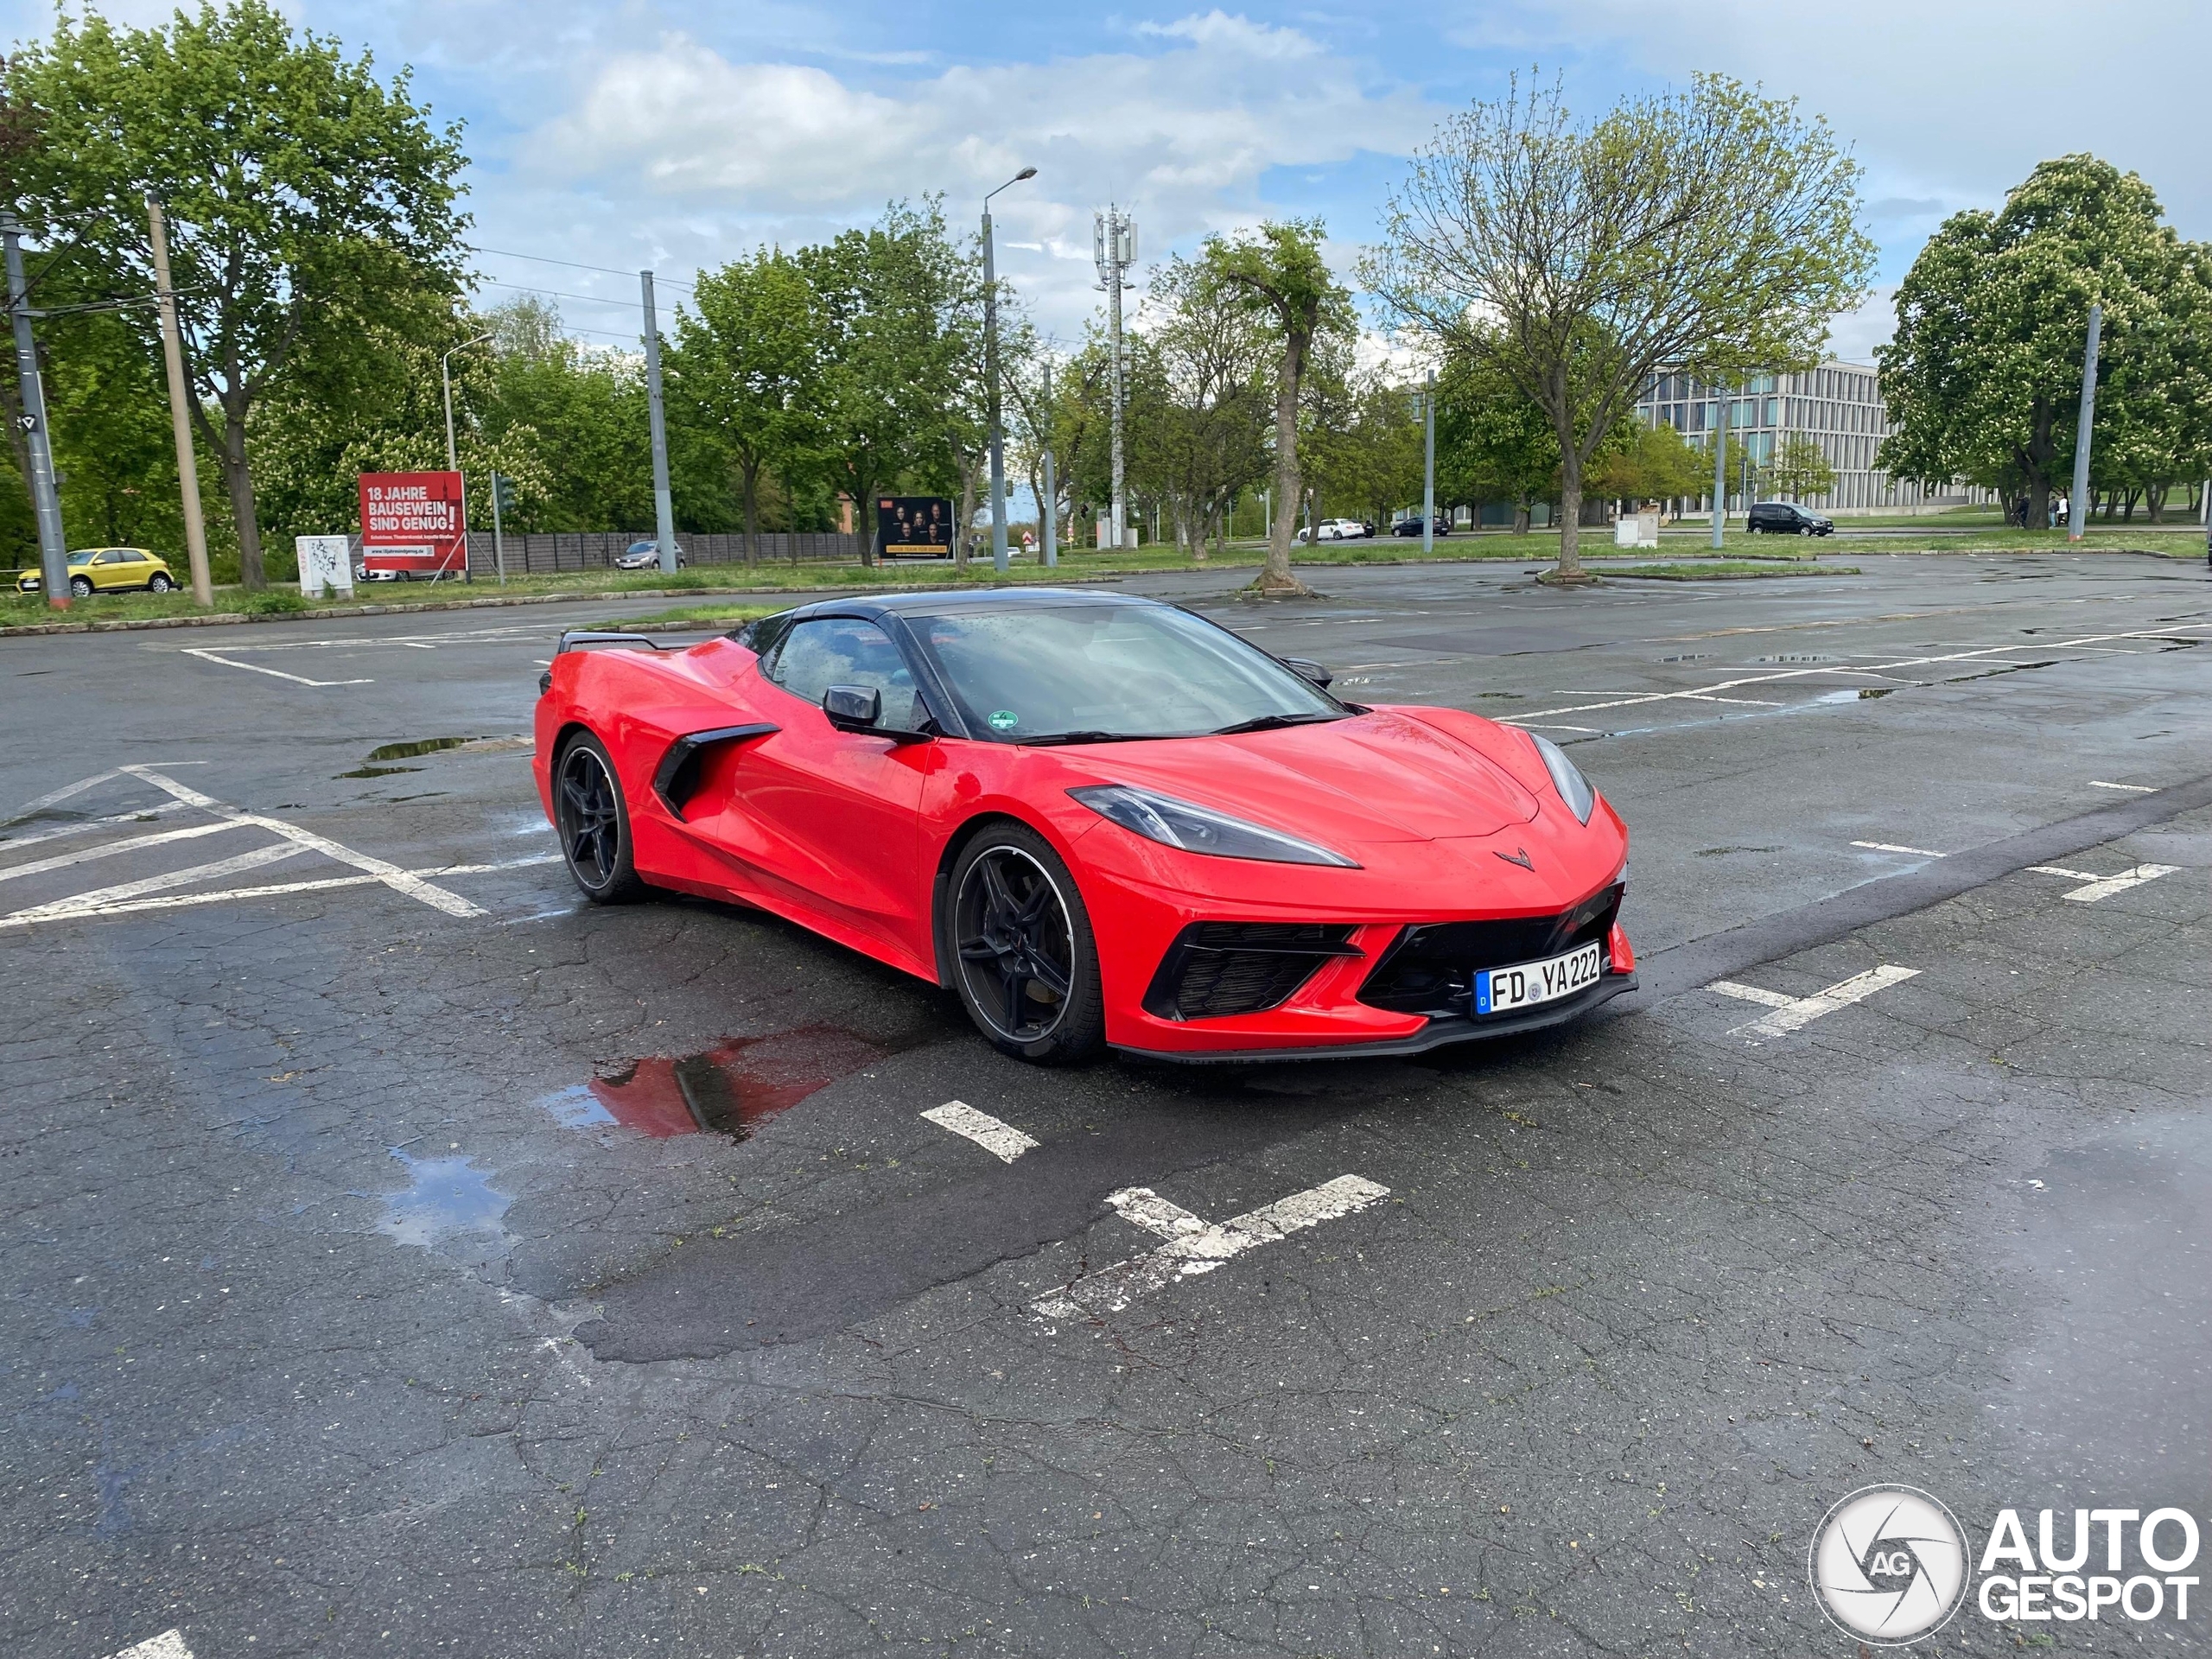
{"type": "Point", "coordinates": [1309, 671]}
{"type": "Point", "coordinates": [860, 708]}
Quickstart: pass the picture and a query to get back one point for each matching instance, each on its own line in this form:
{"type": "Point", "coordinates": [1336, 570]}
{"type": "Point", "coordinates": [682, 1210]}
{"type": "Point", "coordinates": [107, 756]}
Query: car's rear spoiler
{"type": "Point", "coordinates": [572, 638]}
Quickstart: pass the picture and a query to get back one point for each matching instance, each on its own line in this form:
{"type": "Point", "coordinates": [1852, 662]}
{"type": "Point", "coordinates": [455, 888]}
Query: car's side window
{"type": "Point", "coordinates": [824, 652]}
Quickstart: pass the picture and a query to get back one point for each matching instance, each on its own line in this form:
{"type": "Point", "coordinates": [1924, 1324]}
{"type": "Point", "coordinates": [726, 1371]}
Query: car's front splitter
{"type": "Point", "coordinates": [1437, 1033]}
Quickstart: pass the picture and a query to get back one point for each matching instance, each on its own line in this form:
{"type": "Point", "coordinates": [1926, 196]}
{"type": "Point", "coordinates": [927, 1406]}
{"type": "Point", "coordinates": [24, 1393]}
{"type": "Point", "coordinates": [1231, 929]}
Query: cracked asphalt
{"type": "Point", "coordinates": [354, 1304]}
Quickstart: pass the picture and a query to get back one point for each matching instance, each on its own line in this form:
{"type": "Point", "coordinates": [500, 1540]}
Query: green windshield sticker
{"type": "Point", "coordinates": [1004, 720]}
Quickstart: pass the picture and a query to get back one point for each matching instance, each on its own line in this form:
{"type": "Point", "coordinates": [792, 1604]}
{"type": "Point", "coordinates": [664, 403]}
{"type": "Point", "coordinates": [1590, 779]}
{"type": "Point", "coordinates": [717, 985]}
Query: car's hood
{"type": "Point", "coordinates": [1378, 776]}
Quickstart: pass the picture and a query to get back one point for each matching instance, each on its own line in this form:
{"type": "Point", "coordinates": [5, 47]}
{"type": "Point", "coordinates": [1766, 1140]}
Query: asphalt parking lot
{"type": "Point", "coordinates": [404, 1258]}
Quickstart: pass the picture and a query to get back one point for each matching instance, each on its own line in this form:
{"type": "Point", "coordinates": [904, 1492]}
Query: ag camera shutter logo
{"type": "Point", "coordinates": [1889, 1565]}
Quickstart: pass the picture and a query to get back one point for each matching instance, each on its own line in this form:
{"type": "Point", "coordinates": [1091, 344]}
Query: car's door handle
{"type": "Point", "coordinates": [676, 780]}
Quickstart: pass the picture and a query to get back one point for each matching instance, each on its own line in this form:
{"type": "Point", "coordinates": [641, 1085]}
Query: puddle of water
{"type": "Point", "coordinates": [377, 771]}
{"type": "Point", "coordinates": [1693, 656]}
{"type": "Point", "coordinates": [1801, 657]}
{"type": "Point", "coordinates": [730, 1088]}
{"type": "Point", "coordinates": [420, 745]}
{"type": "Point", "coordinates": [449, 1207]}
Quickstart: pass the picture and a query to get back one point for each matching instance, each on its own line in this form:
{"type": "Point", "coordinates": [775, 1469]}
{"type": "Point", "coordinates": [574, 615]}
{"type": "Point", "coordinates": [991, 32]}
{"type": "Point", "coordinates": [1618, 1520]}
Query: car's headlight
{"type": "Point", "coordinates": [1200, 829]}
{"type": "Point", "coordinates": [1573, 788]}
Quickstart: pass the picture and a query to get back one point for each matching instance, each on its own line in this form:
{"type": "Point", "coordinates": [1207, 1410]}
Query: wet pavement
{"type": "Point", "coordinates": [418, 1260]}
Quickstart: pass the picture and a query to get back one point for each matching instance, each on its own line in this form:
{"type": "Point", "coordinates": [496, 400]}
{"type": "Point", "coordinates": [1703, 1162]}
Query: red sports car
{"type": "Point", "coordinates": [1100, 819]}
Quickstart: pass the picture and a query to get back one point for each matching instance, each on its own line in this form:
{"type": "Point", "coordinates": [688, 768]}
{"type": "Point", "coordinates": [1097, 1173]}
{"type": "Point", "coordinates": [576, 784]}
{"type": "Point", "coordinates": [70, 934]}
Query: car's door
{"type": "Point", "coordinates": [834, 818]}
{"type": "Point", "coordinates": [116, 566]}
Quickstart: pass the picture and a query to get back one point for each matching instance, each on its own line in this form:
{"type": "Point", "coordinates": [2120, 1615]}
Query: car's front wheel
{"type": "Point", "coordinates": [1023, 958]}
{"type": "Point", "coordinates": [594, 821]}
{"type": "Point", "coordinates": [80, 586]}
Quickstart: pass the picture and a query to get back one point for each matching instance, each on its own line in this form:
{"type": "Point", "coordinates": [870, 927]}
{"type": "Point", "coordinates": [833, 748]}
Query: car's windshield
{"type": "Point", "coordinates": [85, 558]}
{"type": "Point", "coordinates": [1094, 672]}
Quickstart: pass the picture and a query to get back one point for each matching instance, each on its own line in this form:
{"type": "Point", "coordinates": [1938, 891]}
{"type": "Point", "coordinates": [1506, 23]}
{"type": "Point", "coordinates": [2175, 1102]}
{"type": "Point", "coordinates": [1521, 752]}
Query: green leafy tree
{"type": "Point", "coordinates": [1709, 230]}
{"type": "Point", "coordinates": [1277, 275]}
{"type": "Point", "coordinates": [748, 368]}
{"type": "Point", "coordinates": [903, 304]}
{"type": "Point", "coordinates": [1493, 442]}
{"type": "Point", "coordinates": [1200, 417]}
{"type": "Point", "coordinates": [1799, 468]}
{"type": "Point", "coordinates": [1983, 377]}
{"type": "Point", "coordinates": [310, 204]}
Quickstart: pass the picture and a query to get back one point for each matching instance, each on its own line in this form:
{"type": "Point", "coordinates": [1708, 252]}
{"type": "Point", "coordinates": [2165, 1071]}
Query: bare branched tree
{"type": "Point", "coordinates": [1713, 230]}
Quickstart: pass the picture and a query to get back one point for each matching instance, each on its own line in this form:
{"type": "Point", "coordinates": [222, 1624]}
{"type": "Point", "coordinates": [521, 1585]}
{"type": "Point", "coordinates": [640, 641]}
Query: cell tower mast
{"type": "Point", "coordinates": [1113, 249]}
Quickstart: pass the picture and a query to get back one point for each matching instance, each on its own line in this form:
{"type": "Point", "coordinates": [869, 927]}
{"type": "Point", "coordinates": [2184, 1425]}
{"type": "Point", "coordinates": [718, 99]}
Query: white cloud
{"type": "Point", "coordinates": [715, 154]}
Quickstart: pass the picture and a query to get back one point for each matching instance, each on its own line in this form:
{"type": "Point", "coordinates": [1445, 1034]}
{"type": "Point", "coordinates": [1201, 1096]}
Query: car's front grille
{"type": "Point", "coordinates": [1216, 968]}
{"type": "Point", "coordinates": [1431, 969]}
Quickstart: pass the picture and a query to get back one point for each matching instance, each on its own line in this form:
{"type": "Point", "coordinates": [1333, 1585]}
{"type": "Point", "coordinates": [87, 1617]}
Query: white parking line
{"type": "Point", "coordinates": [390, 874]}
{"type": "Point", "coordinates": [1795, 1013]}
{"type": "Point", "coordinates": [1194, 1248]}
{"type": "Point", "coordinates": [16, 843]}
{"type": "Point", "coordinates": [55, 797]}
{"type": "Point", "coordinates": [1002, 1141]}
{"type": "Point", "coordinates": [64, 861]}
{"type": "Point", "coordinates": [256, 668]}
{"type": "Point", "coordinates": [2103, 886]}
{"type": "Point", "coordinates": [1704, 693]}
{"type": "Point", "coordinates": [1891, 847]}
{"type": "Point", "coordinates": [2133, 789]}
{"type": "Point", "coordinates": [273, 890]}
{"type": "Point", "coordinates": [106, 900]}
{"type": "Point", "coordinates": [169, 1644]}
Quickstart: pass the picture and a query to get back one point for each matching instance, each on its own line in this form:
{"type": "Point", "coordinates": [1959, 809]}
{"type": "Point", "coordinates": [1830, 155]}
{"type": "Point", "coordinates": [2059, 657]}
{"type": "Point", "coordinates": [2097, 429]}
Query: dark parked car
{"type": "Point", "coordinates": [1410, 525]}
{"type": "Point", "coordinates": [1787, 518]}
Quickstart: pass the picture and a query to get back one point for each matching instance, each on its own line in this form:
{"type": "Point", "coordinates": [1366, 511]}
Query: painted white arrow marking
{"type": "Point", "coordinates": [1002, 1141]}
{"type": "Point", "coordinates": [1193, 1246]}
{"type": "Point", "coordinates": [2103, 886]}
{"type": "Point", "coordinates": [169, 1644]}
{"type": "Point", "coordinates": [1795, 1013]}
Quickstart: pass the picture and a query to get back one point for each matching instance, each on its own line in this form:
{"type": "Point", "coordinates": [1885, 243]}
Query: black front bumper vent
{"type": "Point", "coordinates": [1431, 969]}
{"type": "Point", "coordinates": [1217, 968]}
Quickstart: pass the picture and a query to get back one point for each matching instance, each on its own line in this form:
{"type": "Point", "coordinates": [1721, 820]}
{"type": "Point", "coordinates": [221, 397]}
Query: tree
{"type": "Point", "coordinates": [1201, 429]}
{"type": "Point", "coordinates": [904, 307]}
{"type": "Point", "coordinates": [311, 204]}
{"type": "Point", "coordinates": [1713, 231]}
{"type": "Point", "coordinates": [1799, 468]}
{"type": "Point", "coordinates": [1493, 442]}
{"type": "Point", "coordinates": [748, 368]}
{"type": "Point", "coordinates": [1277, 275]}
{"type": "Point", "coordinates": [1983, 377]}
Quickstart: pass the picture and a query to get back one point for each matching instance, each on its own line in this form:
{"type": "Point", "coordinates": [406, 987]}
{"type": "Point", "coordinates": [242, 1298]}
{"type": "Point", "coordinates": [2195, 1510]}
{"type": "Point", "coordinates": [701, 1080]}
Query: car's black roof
{"type": "Point", "coordinates": [991, 598]}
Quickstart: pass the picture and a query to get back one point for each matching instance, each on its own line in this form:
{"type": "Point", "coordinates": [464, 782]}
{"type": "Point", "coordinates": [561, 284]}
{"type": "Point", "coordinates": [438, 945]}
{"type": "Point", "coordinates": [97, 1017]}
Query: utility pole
{"type": "Point", "coordinates": [2077, 516]}
{"type": "Point", "coordinates": [453, 462]}
{"type": "Point", "coordinates": [188, 469]}
{"type": "Point", "coordinates": [664, 505]}
{"type": "Point", "coordinates": [1719, 465]}
{"type": "Point", "coordinates": [498, 541]}
{"type": "Point", "coordinates": [1114, 248]}
{"type": "Point", "coordinates": [1428, 468]}
{"type": "Point", "coordinates": [52, 545]}
{"type": "Point", "coordinates": [1049, 508]}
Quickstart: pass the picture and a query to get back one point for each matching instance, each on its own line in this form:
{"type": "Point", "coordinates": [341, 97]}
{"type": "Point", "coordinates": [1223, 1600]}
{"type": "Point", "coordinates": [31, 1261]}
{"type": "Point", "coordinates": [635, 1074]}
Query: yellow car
{"type": "Point", "coordinates": [104, 570]}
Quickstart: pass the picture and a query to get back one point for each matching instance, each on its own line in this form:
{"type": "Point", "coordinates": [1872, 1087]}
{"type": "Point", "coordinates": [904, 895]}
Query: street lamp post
{"type": "Point", "coordinates": [991, 373]}
{"type": "Point", "coordinates": [445, 374]}
{"type": "Point", "coordinates": [453, 462]}
{"type": "Point", "coordinates": [1428, 468]}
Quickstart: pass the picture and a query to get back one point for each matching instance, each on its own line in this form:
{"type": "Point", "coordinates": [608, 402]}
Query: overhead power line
{"type": "Point", "coordinates": [576, 265]}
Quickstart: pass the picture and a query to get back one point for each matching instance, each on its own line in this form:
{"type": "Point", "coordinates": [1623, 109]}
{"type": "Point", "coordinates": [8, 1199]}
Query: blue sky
{"type": "Point", "coordinates": [681, 134]}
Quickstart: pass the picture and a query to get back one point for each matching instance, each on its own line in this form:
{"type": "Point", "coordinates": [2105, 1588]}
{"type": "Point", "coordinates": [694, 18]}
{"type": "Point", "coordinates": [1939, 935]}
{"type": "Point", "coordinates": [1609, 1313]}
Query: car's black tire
{"type": "Point", "coordinates": [80, 586]}
{"type": "Point", "coordinates": [1020, 945]}
{"type": "Point", "coordinates": [593, 821]}
{"type": "Point", "coordinates": [159, 583]}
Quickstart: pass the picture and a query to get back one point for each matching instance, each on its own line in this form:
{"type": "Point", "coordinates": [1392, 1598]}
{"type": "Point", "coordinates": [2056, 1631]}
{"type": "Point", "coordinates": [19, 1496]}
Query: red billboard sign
{"type": "Point", "coordinates": [412, 524]}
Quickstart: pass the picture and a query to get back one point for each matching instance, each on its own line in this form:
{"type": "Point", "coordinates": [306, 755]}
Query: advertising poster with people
{"type": "Point", "coordinates": [913, 526]}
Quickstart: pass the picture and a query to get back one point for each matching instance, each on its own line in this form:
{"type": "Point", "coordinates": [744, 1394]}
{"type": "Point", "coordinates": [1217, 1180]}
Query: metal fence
{"type": "Point", "coordinates": [548, 552]}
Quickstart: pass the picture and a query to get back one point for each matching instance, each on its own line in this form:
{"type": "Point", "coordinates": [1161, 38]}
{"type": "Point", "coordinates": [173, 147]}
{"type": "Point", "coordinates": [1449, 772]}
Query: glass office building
{"type": "Point", "coordinates": [1838, 405]}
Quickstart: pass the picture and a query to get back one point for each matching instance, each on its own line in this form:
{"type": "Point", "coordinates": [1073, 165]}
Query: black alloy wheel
{"type": "Point", "coordinates": [1023, 958]}
{"type": "Point", "coordinates": [594, 821]}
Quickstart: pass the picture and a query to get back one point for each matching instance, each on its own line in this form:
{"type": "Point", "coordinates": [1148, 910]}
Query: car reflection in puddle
{"type": "Point", "coordinates": [730, 1088]}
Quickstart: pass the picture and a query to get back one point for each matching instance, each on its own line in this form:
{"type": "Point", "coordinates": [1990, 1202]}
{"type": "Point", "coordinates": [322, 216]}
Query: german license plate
{"type": "Point", "coordinates": [1498, 990]}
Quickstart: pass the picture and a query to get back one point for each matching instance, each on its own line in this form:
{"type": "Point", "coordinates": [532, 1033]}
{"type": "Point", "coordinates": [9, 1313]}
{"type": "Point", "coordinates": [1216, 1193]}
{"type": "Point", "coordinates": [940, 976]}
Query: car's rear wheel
{"type": "Point", "coordinates": [594, 821]}
{"type": "Point", "coordinates": [80, 586]}
{"type": "Point", "coordinates": [1024, 960]}
{"type": "Point", "coordinates": [159, 584]}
